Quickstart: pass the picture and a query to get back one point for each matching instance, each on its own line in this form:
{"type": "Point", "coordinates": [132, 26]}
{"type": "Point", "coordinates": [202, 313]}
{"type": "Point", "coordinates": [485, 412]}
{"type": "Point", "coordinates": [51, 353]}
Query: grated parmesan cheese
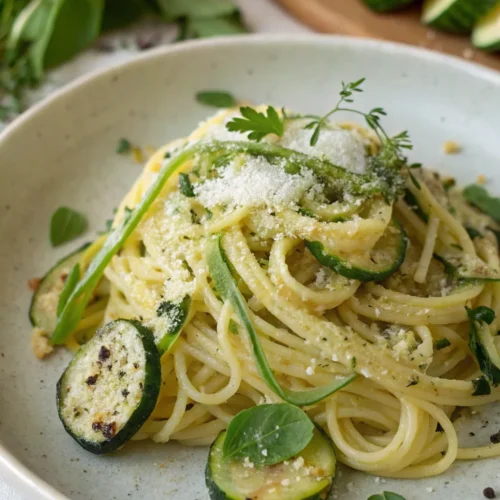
{"type": "Point", "coordinates": [257, 183]}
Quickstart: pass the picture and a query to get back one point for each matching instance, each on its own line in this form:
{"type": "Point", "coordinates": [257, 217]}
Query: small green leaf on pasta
{"type": "Point", "coordinates": [216, 98]}
{"type": "Point", "coordinates": [124, 146]}
{"type": "Point", "coordinates": [386, 495]}
{"type": "Point", "coordinates": [268, 434]}
{"type": "Point", "coordinates": [479, 197]}
{"type": "Point", "coordinates": [65, 225]}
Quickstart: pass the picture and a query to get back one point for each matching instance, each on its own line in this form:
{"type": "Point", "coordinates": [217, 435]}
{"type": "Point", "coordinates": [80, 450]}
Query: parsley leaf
{"type": "Point", "coordinates": [65, 225]}
{"type": "Point", "coordinates": [283, 430]}
{"type": "Point", "coordinates": [441, 344]}
{"type": "Point", "coordinates": [386, 495]}
{"type": "Point", "coordinates": [479, 197]}
{"type": "Point", "coordinates": [257, 124]}
{"type": "Point", "coordinates": [216, 98]}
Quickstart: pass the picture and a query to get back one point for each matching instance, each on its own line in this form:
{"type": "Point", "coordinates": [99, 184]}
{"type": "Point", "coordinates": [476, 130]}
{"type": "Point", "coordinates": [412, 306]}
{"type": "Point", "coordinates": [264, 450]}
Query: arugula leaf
{"type": "Point", "coordinates": [268, 434]}
{"type": "Point", "coordinates": [479, 197]}
{"type": "Point", "coordinates": [71, 282]}
{"type": "Point", "coordinates": [386, 495]}
{"type": "Point", "coordinates": [65, 225]}
{"type": "Point", "coordinates": [228, 289]}
{"type": "Point", "coordinates": [257, 124]}
{"type": "Point", "coordinates": [216, 98]}
{"type": "Point", "coordinates": [479, 333]}
{"type": "Point", "coordinates": [185, 186]}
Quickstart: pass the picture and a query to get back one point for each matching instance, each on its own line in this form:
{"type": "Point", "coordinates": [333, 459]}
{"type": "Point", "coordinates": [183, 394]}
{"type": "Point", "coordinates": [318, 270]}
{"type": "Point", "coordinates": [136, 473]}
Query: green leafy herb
{"type": "Point", "coordinates": [69, 286]}
{"type": "Point", "coordinates": [257, 124]}
{"type": "Point", "coordinates": [414, 180]}
{"type": "Point", "coordinates": [65, 225]}
{"type": "Point", "coordinates": [124, 146]}
{"type": "Point", "coordinates": [216, 98]}
{"type": "Point", "coordinates": [233, 327]}
{"type": "Point", "coordinates": [228, 290]}
{"type": "Point", "coordinates": [185, 186]}
{"type": "Point", "coordinates": [480, 342]}
{"type": "Point", "coordinates": [268, 434]}
{"type": "Point", "coordinates": [481, 387]}
{"type": "Point", "coordinates": [386, 495]}
{"type": "Point", "coordinates": [441, 344]}
{"type": "Point", "coordinates": [479, 197]}
{"type": "Point", "coordinates": [473, 232]}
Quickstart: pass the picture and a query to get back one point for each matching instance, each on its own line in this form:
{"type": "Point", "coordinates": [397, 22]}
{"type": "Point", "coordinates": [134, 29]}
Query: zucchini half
{"type": "Point", "coordinates": [308, 476]}
{"type": "Point", "coordinates": [455, 16]}
{"type": "Point", "coordinates": [171, 319]}
{"type": "Point", "coordinates": [110, 387]}
{"type": "Point", "coordinates": [486, 34]}
{"type": "Point", "coordinates": [43, 308]}
{"type": "Point", "coordinates": [387, 5]}
{"type": "Point", "coordinates": [385, 258]}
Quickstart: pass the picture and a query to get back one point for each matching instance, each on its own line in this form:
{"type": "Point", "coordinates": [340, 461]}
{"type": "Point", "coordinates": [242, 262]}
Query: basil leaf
{"type": "Point", "coordinates": [65, 225]}
{"type": "Point", "coordinates": [480, 198]}
{"type": "Point", "coordinates": [268, 434]}
{"type": "Point", "coordinates": [386, 495]}
{"type": "Point", "coordinates": [216, 98]}
{"type": "Point", "coordinates": [198, 9]}
{"type": "Point", "coordinates": [206, 28]}
{"type": "Point", "coordinates": [71, 282]}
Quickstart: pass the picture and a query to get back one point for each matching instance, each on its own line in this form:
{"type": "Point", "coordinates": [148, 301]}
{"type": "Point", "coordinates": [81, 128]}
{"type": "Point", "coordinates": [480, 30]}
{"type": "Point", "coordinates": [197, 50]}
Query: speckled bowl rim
{"type": "Point", "coordinates": [15, 472]}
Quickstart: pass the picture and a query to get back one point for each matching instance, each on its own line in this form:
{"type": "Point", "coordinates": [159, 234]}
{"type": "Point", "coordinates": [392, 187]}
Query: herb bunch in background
{"type": "Point", "coordinates": [39, 34]}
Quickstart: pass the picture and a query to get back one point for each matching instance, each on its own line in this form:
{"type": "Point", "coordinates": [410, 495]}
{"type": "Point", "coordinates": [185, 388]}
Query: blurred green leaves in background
{"type": "Point", "coordinates": [39, 34]}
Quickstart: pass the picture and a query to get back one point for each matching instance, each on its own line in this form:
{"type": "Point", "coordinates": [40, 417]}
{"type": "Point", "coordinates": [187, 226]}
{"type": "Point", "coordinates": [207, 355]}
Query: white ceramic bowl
{"type": "Point", "coordinates": [62, 152]}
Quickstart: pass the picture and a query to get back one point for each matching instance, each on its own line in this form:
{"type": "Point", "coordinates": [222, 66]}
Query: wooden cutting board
{"type": "Point", "coordinates": [352, 17]}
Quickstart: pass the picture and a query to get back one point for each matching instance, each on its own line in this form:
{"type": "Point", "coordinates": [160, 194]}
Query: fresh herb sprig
{"type": "Point", "coordinates": [258, 125]}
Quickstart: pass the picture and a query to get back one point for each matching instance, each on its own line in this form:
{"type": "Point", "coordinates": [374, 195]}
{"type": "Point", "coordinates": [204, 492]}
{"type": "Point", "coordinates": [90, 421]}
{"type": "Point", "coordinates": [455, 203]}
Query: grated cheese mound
{"type": "Point", "coordinates": [343, 148]}
{"type": "Point", "coordinates": [258, 183]}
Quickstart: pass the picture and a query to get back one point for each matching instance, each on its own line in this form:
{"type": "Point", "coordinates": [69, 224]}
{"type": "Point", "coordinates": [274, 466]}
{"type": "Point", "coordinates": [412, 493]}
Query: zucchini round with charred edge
{"type": "Point", "coordinates": [234, 480]}
{"type": "Point", "coordinates": [387, 5]}
{"type": "Point", "coordinates": [110, 387]}
{"type": "Point", "coordinates": [43, 308]}
{"type": "Point", "coordinates": [455, 16]}
{"type": "Point", "coordinates": [486, 34]}
{"type": "Point", "coordinates": [385, 258]}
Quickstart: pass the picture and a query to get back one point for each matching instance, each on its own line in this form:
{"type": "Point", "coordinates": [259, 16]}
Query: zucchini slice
{"type": "Point", "coordinates": [110, 387]}
{"type": "Point", "coordinates": [308, 476]}
{"type": "Point", "coordinates": [171, 319]}
{"type": "Point", "coordinates": [385, 258]}
{"type": "Point", "coordinates": [466, 267]}
{"type": "Point", "coordinates": [43, 308]}
{"type": "Point", "coordinates": [455, 16]}
{"type": "Point", "coordinates": [387, 5]}
{"type": "Point", "coordinates": [486, 34]}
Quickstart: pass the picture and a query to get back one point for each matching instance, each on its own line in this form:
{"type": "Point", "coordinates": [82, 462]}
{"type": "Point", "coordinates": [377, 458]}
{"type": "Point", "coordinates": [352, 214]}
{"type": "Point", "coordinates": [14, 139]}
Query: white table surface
{"type": "Point", "coordinates": [262, 16]}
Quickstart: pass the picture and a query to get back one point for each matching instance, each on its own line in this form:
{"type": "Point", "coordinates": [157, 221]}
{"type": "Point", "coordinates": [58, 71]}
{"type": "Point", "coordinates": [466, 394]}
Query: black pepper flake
{"type": "Point", "coordinates": [104, 353]}
{"type": "Point", "coordinates": [495, 438]}
{"type": "Point", "coordinates": [92, 380]}
{"type": "Point", "coordinates": [489, 493]}
{"type": "Point", "coordinates": [136, 365]}
{"type": "Point", "coordinates": [96, 426]}
{"type": "Point", "coordinates": [471, 434]}
{"type": "Point", "coordinates": [125, 393]}
{"type": "Point", "coordinates": [109, 430]}
{"type": "Point", "coordinates": [121, 374]}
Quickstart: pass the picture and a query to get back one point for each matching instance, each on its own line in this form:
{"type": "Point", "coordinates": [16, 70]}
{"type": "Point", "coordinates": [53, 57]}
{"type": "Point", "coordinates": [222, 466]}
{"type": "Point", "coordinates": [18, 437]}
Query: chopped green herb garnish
{"type": "Point", "coordinates": [124, 146]}
{"type": "Point", "coordinates": [414, 180]}
{"type": "Point", "coordinates": [257, 124]}
{"type": "Point", "coordinates": [479, 197]}
{"type": "Point", "coordinates": [216, 98]}
{"type": "Point", "coordinates": [449, 183]}
{"type": "Point", "coordinates": [185, 186]}
{"type": "Point", "coordinates": [65, 225]}
{"type": "Point", "coordinates": [386, 495]}
{"type": "Point", "coordinates": [441, 344]}
{"type": "Point", "coordinates": [473, 232]}
{"type": "Point", "coordinates": [233, 327]}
